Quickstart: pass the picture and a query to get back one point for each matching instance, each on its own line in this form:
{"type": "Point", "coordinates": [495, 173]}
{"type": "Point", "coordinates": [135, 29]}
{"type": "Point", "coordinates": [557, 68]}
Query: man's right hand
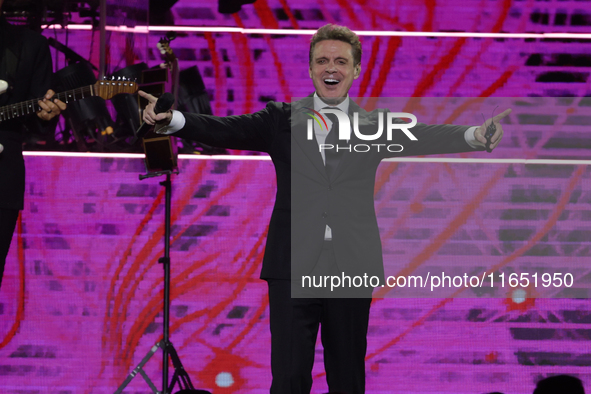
{"type": "Point", "coordinates": [150, 117]}
{"type": "Point", "coordinates": [480, 133]}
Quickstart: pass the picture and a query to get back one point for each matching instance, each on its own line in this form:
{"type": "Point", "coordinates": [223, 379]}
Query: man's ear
{"type": "Point", "coordinates": [310, 71]}
{"type": "Point", "coordinates": [357, 71]}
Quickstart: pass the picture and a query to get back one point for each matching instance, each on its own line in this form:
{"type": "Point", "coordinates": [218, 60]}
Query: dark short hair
{"type": "Point", "coordinates": [339, 33]}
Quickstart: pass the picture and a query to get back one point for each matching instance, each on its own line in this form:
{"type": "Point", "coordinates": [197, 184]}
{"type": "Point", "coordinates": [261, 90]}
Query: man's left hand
{"type": "Point", "coordinates": [480, 132]}
{"type": "Point", "coordinates": [49, 108]}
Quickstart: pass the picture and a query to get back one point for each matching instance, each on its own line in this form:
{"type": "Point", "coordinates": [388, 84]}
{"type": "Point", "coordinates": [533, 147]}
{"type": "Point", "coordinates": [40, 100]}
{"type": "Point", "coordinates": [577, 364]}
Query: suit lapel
{"type": "Point", "coordinates": [299, 120]}
{"type": "Point", "coordinates": [349, 157]}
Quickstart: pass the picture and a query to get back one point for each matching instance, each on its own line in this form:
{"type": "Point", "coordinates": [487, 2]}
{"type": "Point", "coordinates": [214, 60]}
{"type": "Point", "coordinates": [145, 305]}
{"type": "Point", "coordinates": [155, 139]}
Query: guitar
{"type": "Point", "coordinates": [170, 61]}
{"type": "Point", "coordinates": [103, 88]}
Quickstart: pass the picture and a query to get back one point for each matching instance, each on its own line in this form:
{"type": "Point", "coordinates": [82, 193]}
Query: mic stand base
{"type": "Point", "coordinates": [180, 375]}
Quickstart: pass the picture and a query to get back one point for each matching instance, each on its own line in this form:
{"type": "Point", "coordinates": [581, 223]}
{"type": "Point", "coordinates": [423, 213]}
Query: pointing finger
{"type": "Point", "coordinates": [500, 116]}
{"type": "Point", "coordinates": [148, 96]}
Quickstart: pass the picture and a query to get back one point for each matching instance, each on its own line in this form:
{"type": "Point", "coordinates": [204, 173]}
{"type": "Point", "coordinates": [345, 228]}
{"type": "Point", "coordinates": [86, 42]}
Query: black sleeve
{"type": "Point", "coordinates": [249, 132]}
{"type": "Point", "coordinates": [41, 81]}
{"type": "Point", "coordinates": [32, 76]}
{"type": "Point", "coordinates": [432, 139]}
{"type": "Point", "coordinates": [42, 78]}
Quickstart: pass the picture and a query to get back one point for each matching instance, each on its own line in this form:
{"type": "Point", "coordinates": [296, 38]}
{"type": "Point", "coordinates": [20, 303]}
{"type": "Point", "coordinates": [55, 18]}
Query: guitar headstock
{"type": "Point", "coordinates": [108, 88]}
{"type": "Point", "coordinates": [165, 50]}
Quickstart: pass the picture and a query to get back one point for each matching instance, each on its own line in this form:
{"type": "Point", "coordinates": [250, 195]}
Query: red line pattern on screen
{"type": "Point", "coordinates": [21, 297]}
{"type": "Point", "coordinates": [220, 75]}
{"type": "Point", "coordinates": [560, 206]}
{"type": "Point", "coordinates": [248, 70]}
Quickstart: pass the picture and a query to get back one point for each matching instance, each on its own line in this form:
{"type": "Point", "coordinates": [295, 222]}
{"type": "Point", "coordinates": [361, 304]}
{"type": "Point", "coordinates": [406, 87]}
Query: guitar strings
{"type": "Point", "coordinates": [12, 111]}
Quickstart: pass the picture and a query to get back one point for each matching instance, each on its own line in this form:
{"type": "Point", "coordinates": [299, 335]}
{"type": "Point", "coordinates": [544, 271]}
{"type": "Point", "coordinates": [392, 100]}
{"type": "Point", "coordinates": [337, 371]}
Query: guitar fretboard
{"type": "Point", "coordinates": [12, 111]}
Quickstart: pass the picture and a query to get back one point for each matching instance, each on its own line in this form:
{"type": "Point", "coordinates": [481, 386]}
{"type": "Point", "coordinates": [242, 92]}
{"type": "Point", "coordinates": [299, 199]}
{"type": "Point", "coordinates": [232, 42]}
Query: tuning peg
{"type": "Point", "coordinates": [171, 35]}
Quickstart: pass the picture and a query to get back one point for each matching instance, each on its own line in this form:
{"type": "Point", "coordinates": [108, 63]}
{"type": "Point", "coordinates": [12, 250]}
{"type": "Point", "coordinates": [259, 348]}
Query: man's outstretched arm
{"type": "Point", "coordinates": [254, 132]}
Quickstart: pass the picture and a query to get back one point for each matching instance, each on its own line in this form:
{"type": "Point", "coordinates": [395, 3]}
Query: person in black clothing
{"type": "Point", "coordinates": [560, 384]}
{"type": "Point", "coordinates": [25, 64]}
{"type": "Point", "coordinates": [323, 222]}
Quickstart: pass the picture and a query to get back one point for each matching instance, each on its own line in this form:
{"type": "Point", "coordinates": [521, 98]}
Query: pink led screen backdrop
{"type": "Point", "coordinates": [240, 71]}
{"type": "Point", "coordinates": [91, 234]}
{"type": "Point", "coordinates": [80, 301]}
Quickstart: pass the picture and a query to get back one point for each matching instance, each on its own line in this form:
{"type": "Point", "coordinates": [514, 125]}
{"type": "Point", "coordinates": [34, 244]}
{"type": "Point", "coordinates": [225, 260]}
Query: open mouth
{"type": "Point", "coordinates": [331, 81]}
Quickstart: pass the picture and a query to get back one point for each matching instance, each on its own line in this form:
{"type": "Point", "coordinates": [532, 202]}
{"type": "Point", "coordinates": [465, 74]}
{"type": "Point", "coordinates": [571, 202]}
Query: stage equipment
{"type": "Point", "coordinates": [71, 56]}
{"type": "Point", "coordinates": [193, 97]}
{"type": "Point", "coordinates": [232, 6]}
{"type": "Point", "coordinates": [88, 117]}
{"type": "Point", "coordinates": [128, 111]}
{"type": "Point", "coordinates": [35, 13]}
{"type": "Point", "coordinates": [160, 14]}
{"type": "Point", "coordinates": [192, 94]}
{"type": "Point", "coordinates": [161, 153]}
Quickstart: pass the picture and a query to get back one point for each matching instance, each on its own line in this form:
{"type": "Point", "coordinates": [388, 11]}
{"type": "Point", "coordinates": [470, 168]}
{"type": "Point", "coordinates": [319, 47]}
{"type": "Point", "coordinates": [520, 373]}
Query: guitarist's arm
{"type": "Point", "coordinates": [42, 79]}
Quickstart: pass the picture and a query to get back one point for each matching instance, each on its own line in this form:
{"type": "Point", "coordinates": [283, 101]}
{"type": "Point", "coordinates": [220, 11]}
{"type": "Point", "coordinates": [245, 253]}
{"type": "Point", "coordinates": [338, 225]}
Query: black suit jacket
{"type": "Point", "coordinates": [306, 199]}
{"type": "Point", "coordinates": [31, 80]}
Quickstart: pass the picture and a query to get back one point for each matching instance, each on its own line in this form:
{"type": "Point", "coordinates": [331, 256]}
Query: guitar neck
{"type": "Point", "coordinates": [12, 111]}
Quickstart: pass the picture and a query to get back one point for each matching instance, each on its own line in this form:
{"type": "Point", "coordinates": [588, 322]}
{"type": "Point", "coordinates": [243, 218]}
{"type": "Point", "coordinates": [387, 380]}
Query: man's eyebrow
{"type": "Point", "coordinates": [326, 58]}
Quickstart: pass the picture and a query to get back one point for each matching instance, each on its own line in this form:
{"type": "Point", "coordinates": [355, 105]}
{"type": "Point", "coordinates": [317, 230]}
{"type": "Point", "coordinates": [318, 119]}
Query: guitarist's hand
{"type": "Point", "coordinates": [49, 108]}
{"type": "Point", "coordinates": [150, 117]}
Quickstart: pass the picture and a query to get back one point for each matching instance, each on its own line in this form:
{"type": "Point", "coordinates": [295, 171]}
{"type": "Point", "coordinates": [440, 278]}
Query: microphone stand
{"type": "Point", "coordinates": [180, 374]}
{"type": "Point", "coordinates": [164, 103]}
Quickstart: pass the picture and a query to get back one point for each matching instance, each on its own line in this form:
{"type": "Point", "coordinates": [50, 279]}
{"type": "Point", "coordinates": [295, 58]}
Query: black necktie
{"type": "Point", "coordinates": [331, 156]}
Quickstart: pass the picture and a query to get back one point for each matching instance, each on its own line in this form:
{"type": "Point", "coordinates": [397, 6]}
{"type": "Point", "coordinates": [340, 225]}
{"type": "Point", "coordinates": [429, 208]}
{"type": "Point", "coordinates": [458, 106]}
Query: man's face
{"type": "Point", "coordinates": [332, 70]}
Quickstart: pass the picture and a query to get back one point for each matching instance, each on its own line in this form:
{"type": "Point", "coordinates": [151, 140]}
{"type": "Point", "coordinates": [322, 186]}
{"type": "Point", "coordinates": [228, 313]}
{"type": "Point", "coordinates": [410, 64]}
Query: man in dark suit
{"type": "Point", "coordinates": [25, 64]}
{"type": "Point", "coordinates": [323, 222]}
